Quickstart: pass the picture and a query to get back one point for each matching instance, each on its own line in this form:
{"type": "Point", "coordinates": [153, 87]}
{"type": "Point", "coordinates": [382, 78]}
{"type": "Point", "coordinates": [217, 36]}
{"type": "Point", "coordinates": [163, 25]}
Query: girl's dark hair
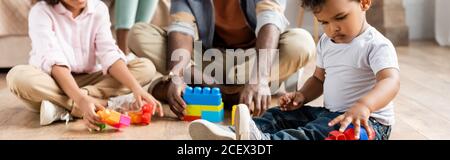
{"type": "Point", "coordinates": [51, 2]}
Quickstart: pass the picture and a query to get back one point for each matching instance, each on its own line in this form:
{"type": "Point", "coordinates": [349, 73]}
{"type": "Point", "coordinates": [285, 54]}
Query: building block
{"type": "Point", "coordinates": [191, 118]}
{"type": "Point", "coordinates": [142, 117]}
{"type": "Point", "coordinates": [110, 117]}
{"type": "Point", "coordinates": [203, 103]}
{"type": "Point", "coordinates": [232, 114]}
{"type": "Point", "coordinates": [102, 126]}
{"type": "Point", "coordinates": [349, 134]}
{"type": "Point", "coordinates": [202, 96]}
{"type": "Point", "coordinates": [213, 116]}
{"type": "Point", "coordinates": [114, 119]}
{"type": "Point", "coordinates": [211, 113]}
{"type": "Point", "coordinates": [196, 110]}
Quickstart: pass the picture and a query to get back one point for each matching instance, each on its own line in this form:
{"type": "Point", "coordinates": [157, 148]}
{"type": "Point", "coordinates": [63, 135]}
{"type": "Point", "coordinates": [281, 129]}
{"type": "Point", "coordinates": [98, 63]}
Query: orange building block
{"type": "Point", "coordinates": [144, 116]}
{"type": "Point", "coordinates": [114, 119]}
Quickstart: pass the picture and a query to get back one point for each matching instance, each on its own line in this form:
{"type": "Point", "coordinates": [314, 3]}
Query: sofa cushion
{"type": "Point", "coordinates": [14, 17]}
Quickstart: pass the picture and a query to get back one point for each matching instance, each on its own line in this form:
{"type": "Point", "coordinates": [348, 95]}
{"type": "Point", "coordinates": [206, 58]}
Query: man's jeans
{"type": "Point", "coordinates": [306, 123]}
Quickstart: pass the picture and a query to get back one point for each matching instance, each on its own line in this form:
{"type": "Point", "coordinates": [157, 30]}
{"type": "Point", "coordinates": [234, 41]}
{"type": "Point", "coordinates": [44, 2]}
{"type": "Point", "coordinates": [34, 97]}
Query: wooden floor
{"type": "Point", "coordinates": [422, 106]}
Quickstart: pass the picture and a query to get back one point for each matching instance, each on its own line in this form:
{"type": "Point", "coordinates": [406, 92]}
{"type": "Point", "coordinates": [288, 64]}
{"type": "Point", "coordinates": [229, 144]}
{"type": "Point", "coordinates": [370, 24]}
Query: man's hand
{"type": "Point", "coordinates": [174, 90]}
{"type": "Point", "coordinates": [257, 97]}
{"type": "Point", "coordinates": [292, 101]}
{"type": "Point", "coordinates": [358, 115]}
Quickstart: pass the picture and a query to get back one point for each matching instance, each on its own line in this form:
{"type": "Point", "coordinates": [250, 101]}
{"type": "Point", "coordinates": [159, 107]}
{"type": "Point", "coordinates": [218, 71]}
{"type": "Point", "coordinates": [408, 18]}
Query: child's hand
{"type": "Point", "coordinates": [88, 107]}
{"type": "Point", "coordinates": [291, 101]}
{"type": "Point", "coordinates": [142, 96]}
{"type": "Point", "coordinates": [359, 115]}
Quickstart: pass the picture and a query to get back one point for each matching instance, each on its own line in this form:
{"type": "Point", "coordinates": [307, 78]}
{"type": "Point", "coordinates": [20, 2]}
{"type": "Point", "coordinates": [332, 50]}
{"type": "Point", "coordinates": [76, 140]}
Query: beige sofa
{"type": "Point", "coordinates": [14, 41]}
{"type": "Point", "coordinates": [15, 44]}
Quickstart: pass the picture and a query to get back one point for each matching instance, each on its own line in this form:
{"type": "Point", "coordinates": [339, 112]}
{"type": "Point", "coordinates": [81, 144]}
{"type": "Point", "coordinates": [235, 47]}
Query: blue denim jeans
{"type": "Point", "coordinates": [306, 123]}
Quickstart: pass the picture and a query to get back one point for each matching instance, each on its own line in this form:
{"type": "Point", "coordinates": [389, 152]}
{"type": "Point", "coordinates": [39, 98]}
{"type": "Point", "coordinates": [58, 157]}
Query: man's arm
{"type": "Point", "coordinates": [183, 45]}
{"type": "Point", "coordinates": [268, 38]}
{"type": "Point", "coordinates": [257, 96]}
{"type": "Point", "coordinates": [180, 45]}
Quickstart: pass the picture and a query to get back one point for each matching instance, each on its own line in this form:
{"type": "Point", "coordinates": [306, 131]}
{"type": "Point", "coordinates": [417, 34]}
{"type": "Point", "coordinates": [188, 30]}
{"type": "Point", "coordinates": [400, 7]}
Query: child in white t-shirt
{"type": "Point", "coordinates": [357, 72]}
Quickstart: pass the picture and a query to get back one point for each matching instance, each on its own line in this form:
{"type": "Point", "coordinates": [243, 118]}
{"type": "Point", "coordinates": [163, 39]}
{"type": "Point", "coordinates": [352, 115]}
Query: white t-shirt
{"type": "Point", "coordinates": [351, 68]}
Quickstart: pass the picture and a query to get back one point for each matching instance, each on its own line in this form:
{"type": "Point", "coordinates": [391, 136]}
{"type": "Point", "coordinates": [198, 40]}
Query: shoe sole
{"type": "Point", "coordinates": [204, 130]}
{"type": "Point", "coordinates": [241, 120]}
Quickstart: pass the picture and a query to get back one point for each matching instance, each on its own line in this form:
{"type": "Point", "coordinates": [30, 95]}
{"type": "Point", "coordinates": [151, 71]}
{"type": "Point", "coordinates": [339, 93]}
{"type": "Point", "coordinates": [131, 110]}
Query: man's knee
{"type": "Point", "coordinates": [145, 34]}
{"type": "Point", "coordinates": [297, 45]}
{"type": "Point", "coordinates": [145, 30]}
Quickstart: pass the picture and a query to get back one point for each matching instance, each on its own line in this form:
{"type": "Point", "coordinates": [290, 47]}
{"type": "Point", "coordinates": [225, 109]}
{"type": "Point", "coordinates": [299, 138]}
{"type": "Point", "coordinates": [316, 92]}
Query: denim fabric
{"type": "Point", "coordinates": [306, 123]}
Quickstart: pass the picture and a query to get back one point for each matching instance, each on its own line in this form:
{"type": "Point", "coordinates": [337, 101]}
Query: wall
{"type": "Point", "coordinates": [292, 10]}
{"type": "Point", "coordinates": [420, 18]}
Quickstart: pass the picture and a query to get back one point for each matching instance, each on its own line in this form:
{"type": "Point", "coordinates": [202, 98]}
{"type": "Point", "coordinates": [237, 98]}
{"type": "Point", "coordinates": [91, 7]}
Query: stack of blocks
{"type": "Point", "coordinates": [114, 119]}
{"type": "Point", "coordinates": [203, 103]}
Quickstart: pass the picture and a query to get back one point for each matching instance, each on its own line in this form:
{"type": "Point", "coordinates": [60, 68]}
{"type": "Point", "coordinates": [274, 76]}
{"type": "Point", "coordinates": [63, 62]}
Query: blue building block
{"type": "Point", "coordinates": [363, 133]}
{"type": "Point", "coordinates": [205, 96]}
{"type": "Point", "coordinates": [214, 117]}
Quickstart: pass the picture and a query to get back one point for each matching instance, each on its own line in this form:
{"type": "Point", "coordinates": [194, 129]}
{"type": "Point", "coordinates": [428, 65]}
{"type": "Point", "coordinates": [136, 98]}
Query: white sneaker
{"type": "Point", "coordinates": [245, 126]}
{"type": "Point", "coordinates": [51, 113]}
{"type": "Point", "coordinates": [205, 130]}
{"type": "Point", "coordinates": [121, 103]}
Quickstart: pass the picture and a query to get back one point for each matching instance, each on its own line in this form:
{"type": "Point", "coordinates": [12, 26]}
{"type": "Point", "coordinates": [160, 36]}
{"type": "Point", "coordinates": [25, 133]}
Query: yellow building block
{"type": "Point", "coordinates": [196, 110]}
{"type": "Point", "coordinates": [110, 117]}
{"type": "Point", "coordinates": [232, 114]}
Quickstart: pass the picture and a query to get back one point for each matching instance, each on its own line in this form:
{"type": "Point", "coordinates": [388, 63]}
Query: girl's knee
{"type": "Point", "coordinates": [142, 69]}
{"type": "Point", "coordinates": [26, 82]}
{"type": "Point", "coordinates": [17, 79]}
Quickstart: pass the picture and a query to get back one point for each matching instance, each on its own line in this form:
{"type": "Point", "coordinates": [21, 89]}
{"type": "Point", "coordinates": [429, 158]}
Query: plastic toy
{"type": "Point", "coordinates": [205, 96]}
{"type": "Point", "coordinates": [349, 134]}
{"type": "Point", "coordinates": [142, 117]}
{"type": "Point", "coordinates": [232, 114]}
{"type": "Point", "coordinates": [203, 103]}
{"type": "Point", "coordinates": [114, 119]}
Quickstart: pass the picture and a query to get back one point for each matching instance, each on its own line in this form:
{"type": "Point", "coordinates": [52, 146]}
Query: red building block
{"type": "Point", "coordinates": [142, 117]}
{"type": "Point", "coordinates": [349, 134]}
{"type": "Point", "coordinates": [191, 118]}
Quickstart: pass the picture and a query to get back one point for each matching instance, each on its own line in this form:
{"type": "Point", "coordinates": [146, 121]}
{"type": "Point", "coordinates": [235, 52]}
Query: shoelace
{"type": "Point", "coordinates": [66, 117]}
